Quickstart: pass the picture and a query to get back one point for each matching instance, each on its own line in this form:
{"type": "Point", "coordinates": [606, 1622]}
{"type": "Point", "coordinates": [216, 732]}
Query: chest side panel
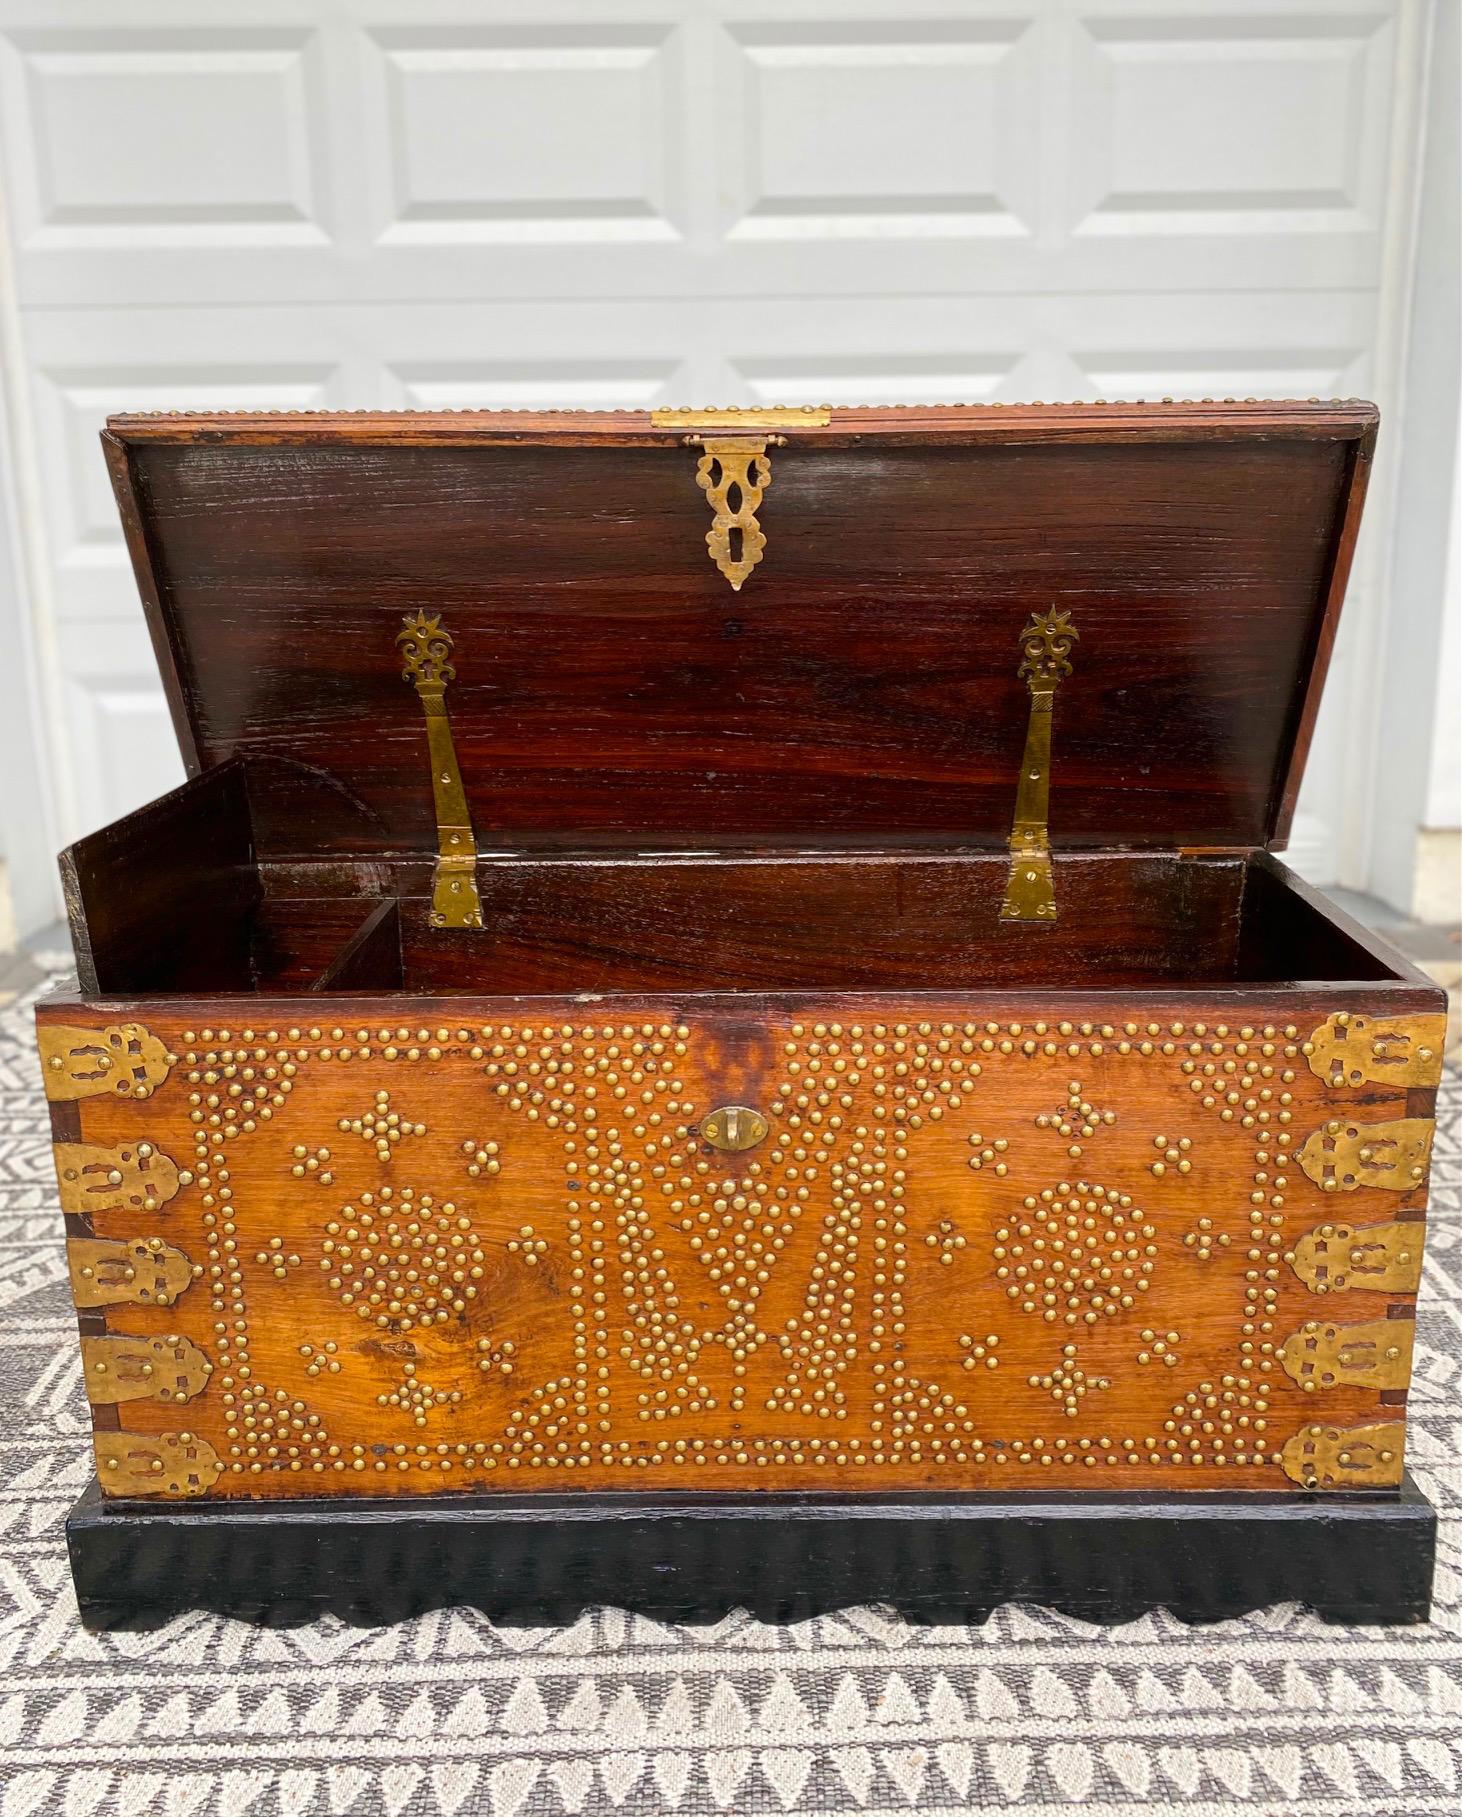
{"type": "Point", "coordinates": [857, 1242]}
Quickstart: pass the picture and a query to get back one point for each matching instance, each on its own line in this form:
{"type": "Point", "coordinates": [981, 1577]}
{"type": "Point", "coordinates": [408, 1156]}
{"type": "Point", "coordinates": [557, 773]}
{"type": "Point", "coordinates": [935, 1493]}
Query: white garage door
{"type": "Point", "coordinates": [349, 202]}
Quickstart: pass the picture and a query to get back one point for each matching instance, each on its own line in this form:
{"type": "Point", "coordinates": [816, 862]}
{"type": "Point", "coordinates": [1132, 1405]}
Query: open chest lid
{"type": "Point", "coordinates": [755, 630]}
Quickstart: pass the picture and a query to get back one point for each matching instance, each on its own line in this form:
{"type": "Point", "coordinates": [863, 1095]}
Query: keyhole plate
{"type": "Point", "coordinates": [733, 1127]}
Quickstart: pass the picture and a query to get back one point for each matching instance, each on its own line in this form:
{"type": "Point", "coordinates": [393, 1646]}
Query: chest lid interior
{"type": "Point", "coordinates": [852, 682]}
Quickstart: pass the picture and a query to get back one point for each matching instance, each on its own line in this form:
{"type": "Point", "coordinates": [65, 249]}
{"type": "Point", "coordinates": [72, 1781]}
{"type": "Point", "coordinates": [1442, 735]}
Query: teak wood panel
{"type": "Point", "coordinates": [612, 691]}
{"type": "Point", "coordinates": [484, 1244]}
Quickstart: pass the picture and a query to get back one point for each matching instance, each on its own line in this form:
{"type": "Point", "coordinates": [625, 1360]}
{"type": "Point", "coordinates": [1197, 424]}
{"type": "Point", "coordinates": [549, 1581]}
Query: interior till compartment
{"type": "Point", "coordinates": [834, 924]}
{"type": "Point", "coordinates": [175, 900]}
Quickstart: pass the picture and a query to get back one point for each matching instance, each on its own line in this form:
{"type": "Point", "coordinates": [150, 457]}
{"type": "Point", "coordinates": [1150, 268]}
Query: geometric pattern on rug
{"type": "Point", "coordinates": [859, 1712]}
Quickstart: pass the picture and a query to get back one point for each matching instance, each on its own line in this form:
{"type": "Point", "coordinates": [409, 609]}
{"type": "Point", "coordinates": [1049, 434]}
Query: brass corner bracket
{"type": "Point", "coordinates": [1376, 1354]}
{"type": "Point", "coordinates": [123, 1367]}
{"type": "Point", "coordinates": [133, 1271]}
{"type": "Point", "coordinates": [1345, 1457]}
{"type": "Point", "coordinates": [1375, 1258]}
{"type": "Point", "coordinates": [155, 1463]}
{"type": "Point", "coordinates": [426, 651]}
{"type": "Point", "coordinates": [1351, 1049]}
{"type": "Point", "coordinates": [1346, 1154]}
{"type": "Point", "coordinates": [1030, 890]}
{"type": "Point", "coordinates": [122, 1060]}
{"type": "Point", "coordinates": [137, 1176]}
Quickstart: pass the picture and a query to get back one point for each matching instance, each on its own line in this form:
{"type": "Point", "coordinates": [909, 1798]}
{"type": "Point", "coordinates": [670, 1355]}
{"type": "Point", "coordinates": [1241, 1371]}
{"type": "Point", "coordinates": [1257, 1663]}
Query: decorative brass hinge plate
{"type": "Point", "coordinates": [1345, 1457]}
{"type": "Point", "coordinates": [426, 651]}
{"type": "Point", "coordinates": [140, 1271]}
{"type": "Point", "coordinates": [744, 417]}
{"type": "Point", "coordinates": [1374, 1355]}
{"type": "Point", "coordinates": [1030, 891]}
{"type": "Point", "coordinates": [134, 1177]}
{"type": "Point", "coordinates": [120, 1368]}
{"type": "Point", "coordinates": [1348, 1049]}
{"type": "Point", "coordinates": [90, 1062]}
{"type": "Point", "coordinates": [1343, 1155]}
{"type": "Point", "coordinates": [155, 1463]}
{"type": "Point", "coordinates": [1378, 1258]}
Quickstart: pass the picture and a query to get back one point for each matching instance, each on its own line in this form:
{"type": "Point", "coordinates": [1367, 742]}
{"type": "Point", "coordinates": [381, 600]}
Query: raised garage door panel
{"type": "Point", "coordinates": [661, 204]}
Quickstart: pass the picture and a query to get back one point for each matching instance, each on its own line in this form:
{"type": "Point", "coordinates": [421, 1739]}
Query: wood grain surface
{"type": "Point", "coordinates": [612, 691]}
{"type": "Point", "coordinates": [988, 1241]}
{"type": "Point", "coordinates": [1003, 1207]}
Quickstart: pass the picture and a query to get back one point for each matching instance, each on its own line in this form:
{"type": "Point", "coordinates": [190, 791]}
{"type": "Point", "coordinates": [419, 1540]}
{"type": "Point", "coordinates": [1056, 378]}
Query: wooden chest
{"type": "Point", "coordinates": [738, 954]}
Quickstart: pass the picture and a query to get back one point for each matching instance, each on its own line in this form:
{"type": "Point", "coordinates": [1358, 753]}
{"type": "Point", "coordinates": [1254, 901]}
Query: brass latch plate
{"type": "Point", "coordinates": [734, 471]}
{"type": "Point", "coordinates": [733, 1128]}
{"type": "Point", "coordinates": [734, 475]}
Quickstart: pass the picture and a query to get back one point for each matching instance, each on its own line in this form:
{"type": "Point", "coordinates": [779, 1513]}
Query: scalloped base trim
{"type": "Point", "coordinates": [542, 1560]}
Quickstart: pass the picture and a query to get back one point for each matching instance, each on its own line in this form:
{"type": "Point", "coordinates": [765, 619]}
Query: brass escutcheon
{"type": "Point", "coordinates": [734, 1127]}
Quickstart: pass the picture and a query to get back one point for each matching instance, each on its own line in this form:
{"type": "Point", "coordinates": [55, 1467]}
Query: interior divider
{"type": "Point", "coordinates": [370, 960]}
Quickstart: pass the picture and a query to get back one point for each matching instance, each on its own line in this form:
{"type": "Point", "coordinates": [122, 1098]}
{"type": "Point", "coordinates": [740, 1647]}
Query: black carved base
{"type": "Point", "coordinates": [542, 1559]}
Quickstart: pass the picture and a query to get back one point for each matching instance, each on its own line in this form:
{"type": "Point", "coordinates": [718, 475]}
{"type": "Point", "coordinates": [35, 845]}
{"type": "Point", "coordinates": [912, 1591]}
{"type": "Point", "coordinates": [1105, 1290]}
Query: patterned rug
{"type": "Point", "coordinates": [855, 1713]}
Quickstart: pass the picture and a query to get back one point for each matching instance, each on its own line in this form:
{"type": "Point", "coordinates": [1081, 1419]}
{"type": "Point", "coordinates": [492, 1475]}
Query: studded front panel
{"type": "Point", "coordinates": [921, 1246]}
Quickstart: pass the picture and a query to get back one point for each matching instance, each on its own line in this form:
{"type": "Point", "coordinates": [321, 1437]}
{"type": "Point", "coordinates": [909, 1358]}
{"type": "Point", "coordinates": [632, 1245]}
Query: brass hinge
{"type": "Point", "coordinates": [87, 1062]}
{"type": "Point", "coordinates": [743, 417]}
{"type": "Point", "coordinates": [1348, 1049]}
{"type": "Point", "coordinates": [426, 650]}
{"type": "Point", "coordinates": [140, 1271]}
{"type": "Point", "coordinates": [121, 1367]}
{"type": "Point", "coordinates": [1345, 1457]}
{"type": "Point", "coordinates": [1030, 891]}
{"type": "Point", "coordinates": [1379, 1258]}
{"type": "Point", "coordinates": [1344, 1155]}
{"type": "Point", "coordinates": [134, 1177]}
{"type": "Point", "coordinates": [1376, 1354]}
{"type": "Point", "coordinates": [155, 1463]}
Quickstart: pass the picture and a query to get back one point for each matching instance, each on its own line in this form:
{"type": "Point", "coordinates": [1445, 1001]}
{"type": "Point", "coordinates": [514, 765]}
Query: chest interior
{"type": "Point", "coordinates": [772, 701]}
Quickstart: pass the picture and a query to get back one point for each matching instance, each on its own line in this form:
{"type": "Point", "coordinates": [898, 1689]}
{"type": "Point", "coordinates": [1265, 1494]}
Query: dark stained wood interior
{"type": "Point", "coordinates": [840, 922]}
{"type": "Point", "coordinates": [860, 691]}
